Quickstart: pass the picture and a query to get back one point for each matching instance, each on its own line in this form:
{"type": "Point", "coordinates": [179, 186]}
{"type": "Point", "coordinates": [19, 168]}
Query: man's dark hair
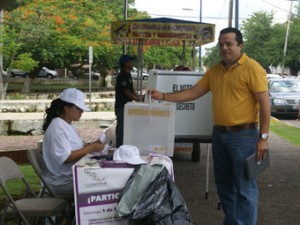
{"type": "Point", "coordinates": [238, 34]}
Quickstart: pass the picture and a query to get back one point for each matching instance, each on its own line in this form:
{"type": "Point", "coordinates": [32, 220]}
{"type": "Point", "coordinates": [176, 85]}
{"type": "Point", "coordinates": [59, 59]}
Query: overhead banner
{"type": "Point", "coordinates": [162, 33]}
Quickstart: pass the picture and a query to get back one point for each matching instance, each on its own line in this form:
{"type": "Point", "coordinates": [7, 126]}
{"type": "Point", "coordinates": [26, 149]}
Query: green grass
{"type": "Point", "coordinates": [286, 131]}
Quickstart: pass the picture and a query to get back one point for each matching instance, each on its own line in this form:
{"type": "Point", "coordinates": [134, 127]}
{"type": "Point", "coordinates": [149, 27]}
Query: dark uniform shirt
{"type": "Point", "coordinates": [123, 83]}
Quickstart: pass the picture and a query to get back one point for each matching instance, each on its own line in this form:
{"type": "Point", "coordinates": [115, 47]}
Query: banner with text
{"type": "Point", "coordinates": [162, 33]}
{"type": "Point", "coordinates": [97, 191]}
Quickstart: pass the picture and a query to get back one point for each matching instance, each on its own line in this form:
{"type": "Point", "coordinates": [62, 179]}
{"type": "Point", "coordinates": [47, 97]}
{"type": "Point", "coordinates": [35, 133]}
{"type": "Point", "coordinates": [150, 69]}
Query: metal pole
{"type": "Point", "coordinates": [200, 48]}
{"type": "Point", "coordinates": [125, 18]}
{"type": "Point", "coordinates": [230, 13]}
{"type": "Point", "coordinates": [237, 14]}
{"type": "Point", "coordinates": [286, 38]}
{"type": "Point", "coordinates": [140, 68]}
{"type": "Point", "coordinates": [1, 27]}
{"type": "Point", "coordinates": [90, 74]}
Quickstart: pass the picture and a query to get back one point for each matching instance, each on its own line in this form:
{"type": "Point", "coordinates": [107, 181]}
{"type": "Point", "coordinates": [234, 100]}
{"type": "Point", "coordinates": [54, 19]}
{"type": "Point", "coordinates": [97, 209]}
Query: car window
{"type": "Point", "coordinates": [285, 86]}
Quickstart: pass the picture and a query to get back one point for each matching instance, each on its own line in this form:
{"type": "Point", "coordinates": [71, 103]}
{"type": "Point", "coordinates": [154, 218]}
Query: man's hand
{"type": "Point", "coordinates": [261, 149]}
{"type": "Point", "coordinates": [155, 94]}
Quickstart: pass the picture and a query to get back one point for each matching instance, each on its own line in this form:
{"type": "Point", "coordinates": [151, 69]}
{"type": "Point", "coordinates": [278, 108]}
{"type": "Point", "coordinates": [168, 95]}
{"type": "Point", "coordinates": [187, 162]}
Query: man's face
{"type": "Point", "coordinates": [129, 65]}
{"type": "Point", "coordinates": [229, 49]}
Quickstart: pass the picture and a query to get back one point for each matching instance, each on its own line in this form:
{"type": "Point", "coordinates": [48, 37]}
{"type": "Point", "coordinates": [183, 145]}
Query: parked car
{"type": "Point", "coordinates": [273, 76]}
{"type": "Point", "coordinates": [47, 73]}
{"type": "Point", "coordinates": [95, 75]}
{"type": "Point", "coordinates": [43, 73]}
{"type": "Point", "coordinates": [134, 74]}
{"type": "Point", "coordinates": [83, 74]}
{"type": "Point", "coordinates": [18, 73]}
{"type": "Point", "coordinates": [284, 96]}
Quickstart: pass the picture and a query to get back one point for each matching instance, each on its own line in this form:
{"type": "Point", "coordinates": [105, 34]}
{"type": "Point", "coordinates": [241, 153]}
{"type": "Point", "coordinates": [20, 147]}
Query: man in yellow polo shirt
{"type": "Point", "coordinates": [241, 112]}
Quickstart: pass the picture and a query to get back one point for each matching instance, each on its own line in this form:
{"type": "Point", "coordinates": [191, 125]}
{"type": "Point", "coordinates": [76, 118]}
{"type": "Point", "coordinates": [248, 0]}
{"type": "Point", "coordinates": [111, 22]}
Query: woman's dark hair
{"type": "Point", "coordinates": [238, 34]}
{"type": "Point", "coordinates": [56, 109]}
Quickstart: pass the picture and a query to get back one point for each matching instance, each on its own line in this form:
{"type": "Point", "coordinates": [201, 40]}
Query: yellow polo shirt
{"type": "Point", "coordinates": [233, 100]}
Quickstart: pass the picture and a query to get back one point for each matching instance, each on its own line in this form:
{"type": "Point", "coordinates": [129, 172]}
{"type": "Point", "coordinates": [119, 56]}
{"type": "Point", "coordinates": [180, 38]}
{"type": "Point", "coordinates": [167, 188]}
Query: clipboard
{"type": "Point", "coordinates": [256, 167]}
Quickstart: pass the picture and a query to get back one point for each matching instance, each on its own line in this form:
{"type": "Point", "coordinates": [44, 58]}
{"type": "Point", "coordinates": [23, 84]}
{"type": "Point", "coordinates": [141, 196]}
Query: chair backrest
{"type": "Point", "coordinates": [9, 170]}
{"type": "Point", "coordinates": [36, 160]}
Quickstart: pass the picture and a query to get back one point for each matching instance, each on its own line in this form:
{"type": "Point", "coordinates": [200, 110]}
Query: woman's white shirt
{"type": "Point", "coordinates": [60, 139]}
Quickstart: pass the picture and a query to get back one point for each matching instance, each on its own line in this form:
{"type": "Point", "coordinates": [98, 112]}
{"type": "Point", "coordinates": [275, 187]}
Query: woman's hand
{"type": "Point", "coordinates": [96, 146]}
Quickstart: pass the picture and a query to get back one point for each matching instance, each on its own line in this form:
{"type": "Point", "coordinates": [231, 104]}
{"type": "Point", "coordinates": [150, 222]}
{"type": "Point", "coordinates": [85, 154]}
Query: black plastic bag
{"type": "Point", "coordinates": [161, 204]}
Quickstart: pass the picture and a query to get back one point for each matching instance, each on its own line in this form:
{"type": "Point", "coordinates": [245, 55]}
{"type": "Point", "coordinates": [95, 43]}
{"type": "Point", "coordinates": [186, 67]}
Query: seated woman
{"type": "Point", "coordinates": [62, 145]}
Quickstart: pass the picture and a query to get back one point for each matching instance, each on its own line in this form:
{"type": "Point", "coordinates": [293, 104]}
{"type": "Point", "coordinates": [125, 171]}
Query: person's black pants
{"type": "Point", "coordinates": [120, 127]}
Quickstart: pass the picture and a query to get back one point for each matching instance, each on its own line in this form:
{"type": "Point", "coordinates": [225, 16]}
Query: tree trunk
{"type": "Point", "coordinates": [3, 86]}
{"type": "Point", "coordinates": [27, 85]}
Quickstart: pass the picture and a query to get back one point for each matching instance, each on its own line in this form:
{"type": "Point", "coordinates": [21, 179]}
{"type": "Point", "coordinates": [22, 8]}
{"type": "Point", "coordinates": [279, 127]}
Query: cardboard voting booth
{"type": "Point", "coordinates": [150, 127]}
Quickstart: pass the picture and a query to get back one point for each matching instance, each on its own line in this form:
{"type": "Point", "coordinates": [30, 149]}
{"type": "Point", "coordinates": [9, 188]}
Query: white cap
{"type": "Point", "coordinates": [74, 96]}
{"type": "Point", "coordinates": [129, 154]}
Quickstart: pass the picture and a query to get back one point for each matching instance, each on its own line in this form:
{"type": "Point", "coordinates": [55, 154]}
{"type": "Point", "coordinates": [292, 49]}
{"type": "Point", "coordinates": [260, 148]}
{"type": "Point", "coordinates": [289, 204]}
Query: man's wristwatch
{"type": "Point", "coordinates": [264, 136]}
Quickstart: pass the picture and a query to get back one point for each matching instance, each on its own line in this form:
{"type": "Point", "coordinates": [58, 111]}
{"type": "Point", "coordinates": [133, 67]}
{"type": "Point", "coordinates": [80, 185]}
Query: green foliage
{"type": "Point", "coordinates": [212, 56]}
{"type": "Point", "coordinates": [25, 62]}
{"type": "Point", "coordinates": [58, 33]}
{"type": "Point", "coordinates": [257, 31]}
{"type": "Point", "coordinates": [264, 41]}
{"type": "Point", "coordinates": [166, 57]}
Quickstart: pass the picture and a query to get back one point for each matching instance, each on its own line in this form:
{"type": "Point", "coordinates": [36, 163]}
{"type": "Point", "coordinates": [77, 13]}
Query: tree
{"type": "Point", "coordinates": [166, 57]}
{"type": "Point", "coordinates": [58, 33]}
{"type": "Point", "coordinates": [257, 31]}
{"type": "Point", "coordinates": [5, 5]}
{"type": "Point", "coordinates": [264, 42]}
{"type": "Point", "coordinates": [212, 56]}
{"type": "Point", "coordinates": [293, 48]}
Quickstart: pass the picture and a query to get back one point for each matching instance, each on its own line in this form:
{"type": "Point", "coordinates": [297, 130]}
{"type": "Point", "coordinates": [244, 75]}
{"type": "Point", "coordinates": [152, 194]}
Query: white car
{"type": "Point", "coordinates": [273, 76]}
{"type": "Point", "coordinates": [134, 74]}
{"type": "Point", "coordinates": [47, 73]}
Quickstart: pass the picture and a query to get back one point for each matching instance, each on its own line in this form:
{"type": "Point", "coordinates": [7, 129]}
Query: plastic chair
{"type": "Point", "coordinates": [26, 207]}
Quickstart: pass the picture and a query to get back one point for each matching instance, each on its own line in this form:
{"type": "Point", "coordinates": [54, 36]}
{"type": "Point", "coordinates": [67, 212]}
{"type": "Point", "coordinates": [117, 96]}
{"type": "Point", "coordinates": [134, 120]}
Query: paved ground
{"type": "Point", "coordinates": [279, 202]}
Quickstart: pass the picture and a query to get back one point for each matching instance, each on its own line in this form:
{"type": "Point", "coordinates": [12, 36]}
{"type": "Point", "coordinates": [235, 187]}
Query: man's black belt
{"type": "Point", "coordinates": [236, 128]}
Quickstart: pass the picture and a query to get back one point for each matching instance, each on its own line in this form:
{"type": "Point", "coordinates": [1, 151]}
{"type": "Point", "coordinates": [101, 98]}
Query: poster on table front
{"type": "Point", "coordinates": [96, 194]}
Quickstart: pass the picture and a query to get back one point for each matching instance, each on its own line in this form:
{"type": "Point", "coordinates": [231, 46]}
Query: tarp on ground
{"type": "Point", "coordinates": [162, 31]}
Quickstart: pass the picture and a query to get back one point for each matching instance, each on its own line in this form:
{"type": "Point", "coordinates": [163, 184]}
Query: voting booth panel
{"type": "Point", "coordinates": [150, 127]}
{"type": "Point", "coordinates": [193, 117]}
